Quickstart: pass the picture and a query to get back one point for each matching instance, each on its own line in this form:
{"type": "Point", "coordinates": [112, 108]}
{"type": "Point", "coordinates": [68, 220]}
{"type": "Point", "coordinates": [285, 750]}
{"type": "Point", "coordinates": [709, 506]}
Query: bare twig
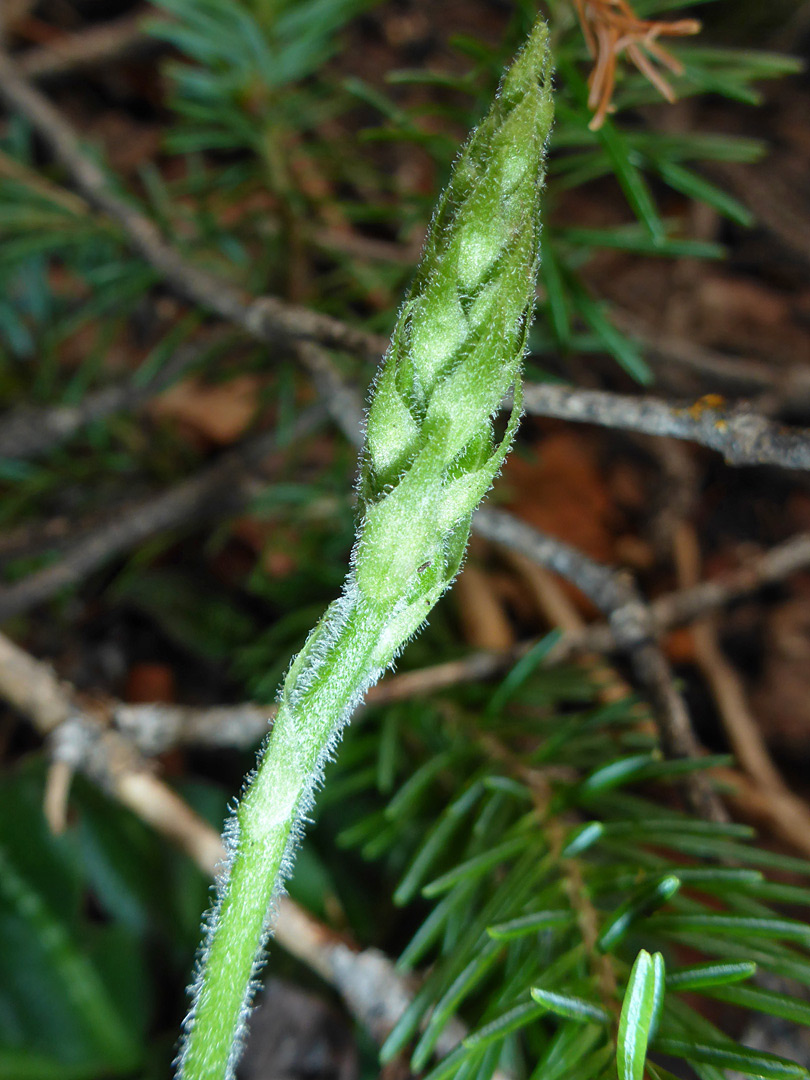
{"type": "Point", "coordinates": [81, 742]}
{"type": "Point", "coordinates": [160, 726]}
{"type": "Point", "coordinates": [375, 993]}
{"type": "Point", "coordinates": [32, 688]}
{"type": "Point", "coordinates": [684, 605]}
{"type": "Point", "coordinates": [155, 728]}
{"type": "Point", "coordinates": [630, 618]}
{"type": "Point", "coordinates": [57, 792]}
{"type": "Point", "coordinates": [677, 358]}
{"type": "Point", "coordinates": [341, 400]}
{"type": "Point", "coordinates": [556, 605]}
{"type": "Point", "coordinates": [666, 612]}
{"type": "Point", "coordinates": [31, 432]}
{"type": "Point", "coordinates": [224, 486]}
{"type": "Point", "coordinates": [742, 437]}
{"type": "Point", "coordinates": [790, 816]}
{"type": "Point", "coordinates": [603, 587]}
{"type": "Point", "coordinates": [93, 46]}
{"type": "Point", "coordinates": [267, 319]}
{"type": "Point", "coordinates": [631, 622]}
{"type": "Point", "coordinates": [483, 620]}
{"type": "Point", "coordinates": [781, 812]}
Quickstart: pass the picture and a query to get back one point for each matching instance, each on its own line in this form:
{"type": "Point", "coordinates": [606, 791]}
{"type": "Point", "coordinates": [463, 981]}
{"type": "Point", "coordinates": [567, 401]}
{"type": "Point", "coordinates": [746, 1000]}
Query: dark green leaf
{"type": "Point", "coordinates": [529, 924]}
{"type": "Point", "coordinates": [766, 1001]}
{"type": "Point", "coordinates": [512, 1020]}
{"type": "Point", "coordinates": [581, 838]}
{"type": "Point", "coordinates": [638, 906]}
{"type": "Point", "coordinates": [477, 866]}
{"type": "Point", "coordinates": [572, 1008]}
{"type": "Point", "coordinates": [709, 975]}
{"type": "Point", "coordinates": [447, 1005]}
{"type": "Point", "coordinates": [637, 1016]}
{"type": "Point", "coordinates": [733, 1056]}
{"type": "Point", "coordinates": [740, 926]}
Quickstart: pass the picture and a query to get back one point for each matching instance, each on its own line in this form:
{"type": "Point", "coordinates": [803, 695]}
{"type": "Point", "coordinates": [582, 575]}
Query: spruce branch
{"type": "Point", "coordinates": [549, 869]}
{"type": "Point", "coordinates": [265, 318]}
{"type": "Point", "coordinates": [114, 39]}
{"type": "Point", "coordinates": [632, 626]}
{"type": "Point", "coordinates": [430, 457]}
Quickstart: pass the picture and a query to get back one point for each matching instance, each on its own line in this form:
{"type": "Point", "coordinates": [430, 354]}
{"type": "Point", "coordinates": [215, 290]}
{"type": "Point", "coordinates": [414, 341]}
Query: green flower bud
{"type": "Point", "coordinates": [430, 457]}
{"type": "Point", "coordinates": [458, 343]}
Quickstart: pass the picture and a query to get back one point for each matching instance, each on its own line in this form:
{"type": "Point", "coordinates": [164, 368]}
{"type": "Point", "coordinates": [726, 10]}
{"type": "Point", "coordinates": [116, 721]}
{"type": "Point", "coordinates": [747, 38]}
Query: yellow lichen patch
{"type": "Point", "coordinates": [707, 403]}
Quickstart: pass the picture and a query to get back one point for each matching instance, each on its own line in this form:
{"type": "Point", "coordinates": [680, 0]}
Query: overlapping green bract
{"type": "Point", "coordinates": [456, 350]}
{"type": "Point", "coordinates": [430, 456]}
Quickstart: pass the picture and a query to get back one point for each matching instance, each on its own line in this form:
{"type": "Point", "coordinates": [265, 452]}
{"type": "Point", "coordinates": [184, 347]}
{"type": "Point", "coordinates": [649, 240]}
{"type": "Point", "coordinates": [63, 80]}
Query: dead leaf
{"type": "Point", "coordinates": [219, 413]}
{"type": "Point", "coordinates": [483, 620]}
{"type": "Point", "coordinates": [148, 683]}
{"type": "Point", "coordinates": [781, 701]}
{"type": "Point", "coordinates": [561, 491]}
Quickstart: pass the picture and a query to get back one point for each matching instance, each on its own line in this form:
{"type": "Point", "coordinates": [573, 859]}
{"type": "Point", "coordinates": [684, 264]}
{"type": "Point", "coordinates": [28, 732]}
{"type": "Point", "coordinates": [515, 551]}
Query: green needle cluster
{"type": "Point", "coordinates": [430, 456]}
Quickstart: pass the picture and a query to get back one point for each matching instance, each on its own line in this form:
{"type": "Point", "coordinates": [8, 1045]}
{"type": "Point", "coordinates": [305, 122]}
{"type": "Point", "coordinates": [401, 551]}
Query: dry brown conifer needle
{"type": "Point", "coordinates": [611, 27]}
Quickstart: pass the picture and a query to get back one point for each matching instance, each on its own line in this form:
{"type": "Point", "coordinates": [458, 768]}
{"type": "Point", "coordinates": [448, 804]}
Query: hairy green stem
{"type": "Point", "coordinates": [430, 457]}
{"type": "Point", "coordinates": [326, 682]}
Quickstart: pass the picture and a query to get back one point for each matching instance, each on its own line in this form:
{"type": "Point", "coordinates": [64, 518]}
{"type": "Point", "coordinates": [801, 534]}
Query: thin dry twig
{"type": "Point", "coordinates": [95, 45]}
{"type": "Point", "coordinates": [782, 813]}
{"type": "Point", "coordinates": [30, 432]}
{"type": "Point", "coordinates": [341, 400]}
{"type": "Point", "coordinates": [554, 603]}
{"type": "Point", "coordinates": [682, 364]}
{"type": "Point", "coordinates": [742, 437]}
{"type": "Point", "coordinates": [57, 792]}
{"type": "Point", "coordinates": [32, 688]}
{"type": "Point", "coordinates": [268, 319]}
{"type": "Point", "coordinates": [223, 487]}
{"type": "Point", "coordinates": [156, 728]}
{"type": "Point", "coordinates": [375, 993]}
{"type": "Point", "coordinates": [611, 28]}
{"type": "Point", "coordinates": [770, 568]}
{"type": "Point", "coordinates": [631, 622]}
{"type": "Point", "coordinates": [789, 817]}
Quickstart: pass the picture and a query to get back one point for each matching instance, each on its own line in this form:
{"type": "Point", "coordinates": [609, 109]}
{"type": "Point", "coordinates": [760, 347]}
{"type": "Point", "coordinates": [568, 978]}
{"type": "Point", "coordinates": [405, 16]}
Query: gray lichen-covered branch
{"type": "Point", "coordinates": [740, 435]}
